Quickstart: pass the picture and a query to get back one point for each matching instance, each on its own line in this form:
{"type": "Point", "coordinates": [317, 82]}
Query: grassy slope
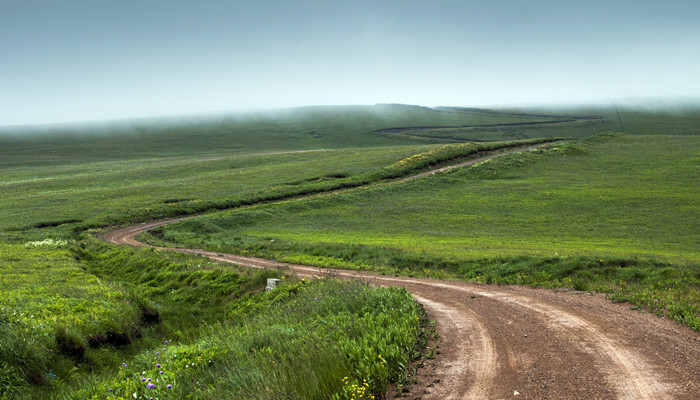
{"type": "Point", "coordinates": [226, 336]}
{"type": "Point", "coordinates": [608, 214]}
{"type": "Point", "coordinates": [623, 196]}
{"type": "Point", "coordinates": [104, 174]}
{"type": "Point", "coordinates": [94, 192]}
{"type": "Point", "coordinates": [305, 128]}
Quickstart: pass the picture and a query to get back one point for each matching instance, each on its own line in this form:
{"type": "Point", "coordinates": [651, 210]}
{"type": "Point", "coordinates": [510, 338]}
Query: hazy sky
{"type": "Point", "coordinates": [72, 60]}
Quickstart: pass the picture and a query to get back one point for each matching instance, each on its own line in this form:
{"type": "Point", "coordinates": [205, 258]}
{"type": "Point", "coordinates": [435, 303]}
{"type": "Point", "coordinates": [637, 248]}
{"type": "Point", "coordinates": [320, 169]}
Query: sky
{"type": "Point", "coordinates": [85, 60]}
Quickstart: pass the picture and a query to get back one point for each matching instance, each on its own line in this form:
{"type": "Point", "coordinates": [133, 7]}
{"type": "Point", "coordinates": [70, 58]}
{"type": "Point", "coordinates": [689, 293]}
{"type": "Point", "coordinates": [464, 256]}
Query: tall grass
{"type": "Point", "coordinates": [54, 315]}
{"type": "Point", "coordinates": [307, 340]}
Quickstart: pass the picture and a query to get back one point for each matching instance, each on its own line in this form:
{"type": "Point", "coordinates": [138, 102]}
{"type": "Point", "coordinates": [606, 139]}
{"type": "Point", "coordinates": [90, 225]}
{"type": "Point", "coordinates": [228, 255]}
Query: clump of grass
{"type": "Point", "coordinates": [25, 359]}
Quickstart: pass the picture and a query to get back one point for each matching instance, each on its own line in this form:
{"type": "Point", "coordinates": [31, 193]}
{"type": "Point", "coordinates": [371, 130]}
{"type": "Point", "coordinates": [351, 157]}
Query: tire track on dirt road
{"type": "Point", "coordinates": [480, 368]}
{"type": "Point", "coordinates": [518, 342]}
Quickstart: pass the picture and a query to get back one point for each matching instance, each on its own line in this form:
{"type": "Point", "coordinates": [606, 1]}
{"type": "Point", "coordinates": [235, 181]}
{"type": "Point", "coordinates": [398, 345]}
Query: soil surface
{"type": "Point", "coordinates": [514, 342]}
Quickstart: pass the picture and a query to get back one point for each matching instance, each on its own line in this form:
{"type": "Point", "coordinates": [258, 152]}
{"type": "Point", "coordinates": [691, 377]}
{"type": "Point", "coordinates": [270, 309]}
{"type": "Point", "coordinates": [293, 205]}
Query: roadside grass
{"type": "Point", "coordinates": [53, 314]}
{"type": "Point", "coordinates": [210, 331]}
{"type": "Point", "coordinates": [72, 311]}
{"type": "Point", "coordinates": [306, 340]}
{"type": "Point", "coordinates": [186, 288]}
{"type": "Point", "coordinates": [666, 289]}
{"type": "Point", "coordinates": [616, 198]}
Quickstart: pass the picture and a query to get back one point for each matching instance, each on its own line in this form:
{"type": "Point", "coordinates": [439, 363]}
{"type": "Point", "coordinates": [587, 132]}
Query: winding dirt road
{"type": "Point", "coordinates": [512, 342]}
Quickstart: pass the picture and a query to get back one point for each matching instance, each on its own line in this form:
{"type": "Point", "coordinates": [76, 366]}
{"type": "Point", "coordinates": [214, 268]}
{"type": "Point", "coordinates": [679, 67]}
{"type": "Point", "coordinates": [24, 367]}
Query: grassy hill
{"type": "Point", "coordinates": [624, 196]}
{"type": "Point", "coordinates": [306, 128]}
{"type": "Point", "coordinates": [612, 212]}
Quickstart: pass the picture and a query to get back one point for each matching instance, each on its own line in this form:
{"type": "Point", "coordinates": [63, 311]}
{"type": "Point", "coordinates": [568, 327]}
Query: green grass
{"type": "Point", "coordinates": [41, 201]}
{"type": "Point", "coordinates": [622, 196]}
{"type": "Point", "coordinates": [224, 331]}
{"type": "Point", "coordinates": [306, 340]}
{"type": "Point", "coordinates": [607, 198]}
{"type": "Point", "coordinates": [54, 180]}
{"type": "Point", "coordinates": [614, 215]}
{"type": "Point", "coordinates": [307, 128]}
{"type": "Point", "coordinates": [52, 314]}
{"type": "Point", "coordinates": [183, 286]}
{"type": "Point", "coordinates": [57, 201]}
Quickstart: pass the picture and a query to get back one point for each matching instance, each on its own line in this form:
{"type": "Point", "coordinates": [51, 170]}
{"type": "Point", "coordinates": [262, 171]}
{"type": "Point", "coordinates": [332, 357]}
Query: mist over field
{"type": "Point", "coordinates": [95, 60]}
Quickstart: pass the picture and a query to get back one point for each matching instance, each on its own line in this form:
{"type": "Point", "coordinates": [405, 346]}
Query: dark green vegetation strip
{"type": "Point", "coordinates": [605, 214]}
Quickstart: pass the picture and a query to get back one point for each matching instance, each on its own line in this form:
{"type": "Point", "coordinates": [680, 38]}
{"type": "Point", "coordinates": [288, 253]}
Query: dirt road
{"type": "Point", "coordinates": [518, 342]}
{"type": "Point", "coordinates": [512, 342]}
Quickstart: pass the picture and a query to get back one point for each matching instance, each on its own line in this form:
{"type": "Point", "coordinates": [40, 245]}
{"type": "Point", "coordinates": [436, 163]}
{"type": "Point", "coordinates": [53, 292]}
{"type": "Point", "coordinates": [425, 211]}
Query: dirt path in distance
{"type": "Point", "coordinates": [473, 161]}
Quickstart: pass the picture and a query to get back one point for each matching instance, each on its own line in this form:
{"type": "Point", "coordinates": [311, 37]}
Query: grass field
{"type": "Point", "coordinates": [57, 179]}
{"type": "Point", "coordinates": [619, 196]}
{"type": "Point", "coordinates": [614, 213]}
{"type": "Point", "coordinates": [310, 128]}
{"type": "Point", "coordinates": [52, 312]}
{"type": "Point", "coordinates": [345, 345]}
{"type": "Point", "coordinates": [44, 200]}
{"type": "Point", "coordinates": [608, 201]}
{"type": "Point", "coordinates": [91, 321]}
